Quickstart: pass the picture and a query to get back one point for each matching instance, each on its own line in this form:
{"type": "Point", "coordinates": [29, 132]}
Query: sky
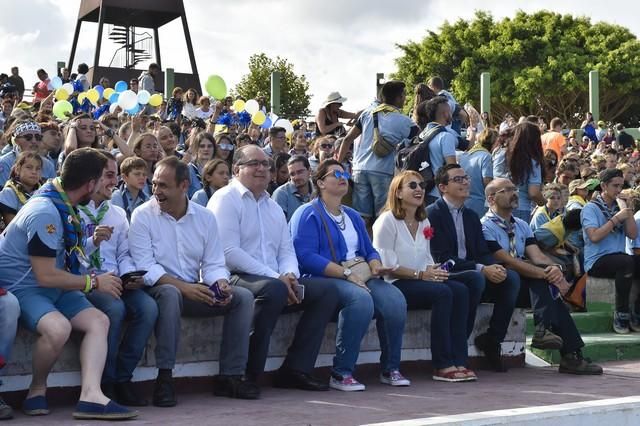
{"type": "Point", "coordinates": [337, 45]}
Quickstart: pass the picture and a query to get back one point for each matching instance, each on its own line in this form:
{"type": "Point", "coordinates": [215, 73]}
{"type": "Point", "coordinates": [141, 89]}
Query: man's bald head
{"type": "Point", "coordinates": [496, 185]}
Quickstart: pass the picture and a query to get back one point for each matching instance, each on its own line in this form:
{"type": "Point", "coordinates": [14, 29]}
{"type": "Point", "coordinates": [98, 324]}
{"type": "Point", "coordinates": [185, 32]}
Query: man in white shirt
{"type": "Point", "coordinates": [259, 252]}
{"type": "Point", "coordinates": [174, 240]}
{"type": "Point", "coordinates": [106, 228]}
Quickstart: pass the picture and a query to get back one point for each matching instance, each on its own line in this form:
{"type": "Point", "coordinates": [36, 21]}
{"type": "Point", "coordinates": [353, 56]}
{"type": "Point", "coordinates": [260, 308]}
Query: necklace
{"type": "Point", "coordinates": [339, 219]}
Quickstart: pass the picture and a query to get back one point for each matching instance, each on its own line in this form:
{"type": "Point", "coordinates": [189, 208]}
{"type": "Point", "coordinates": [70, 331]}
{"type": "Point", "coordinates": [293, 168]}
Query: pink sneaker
{"type": "Point", "coordinates": [394, 378]}
{"type": "Point", "coordinates": [346, 384]}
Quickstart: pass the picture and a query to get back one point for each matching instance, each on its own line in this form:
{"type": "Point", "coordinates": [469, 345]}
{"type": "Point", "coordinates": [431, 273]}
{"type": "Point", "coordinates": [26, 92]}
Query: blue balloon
{"type": "Point", "coordinates": [133, 110]}
{"type": "Point", "coordinates": [267, 123]}
{"type": "Point", "coordinates": [56, 82]}
{"type": "Point", "coordinates": [114, 98]}
{"type": "Point", "coordinates": [99, 89]}
{"type": "Point", "coordinates": [120, 86]}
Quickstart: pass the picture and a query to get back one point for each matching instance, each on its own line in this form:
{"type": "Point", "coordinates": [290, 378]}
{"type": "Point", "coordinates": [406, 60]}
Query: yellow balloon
{"type": "Point", "coordinates": [61, 94]}
{"type": "Point", "coordinates": [238, 106]}
{"type": "Point", "coordinates": [108, 92]}
{"type": "Point", "coordinates": [81, 97]}
{"type": "Point", "coordinates": [155, 100]}
{"type": "Point", "coordinates": [93, 96]}
{"type": "Point", "coordinates": [258, 118]}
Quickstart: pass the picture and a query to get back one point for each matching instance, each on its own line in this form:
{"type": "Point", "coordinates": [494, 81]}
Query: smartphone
{"type": "Point", "coordinates": [218, 294]}
{"type": "Point", "coordinates": [299, 289]}
{"type": "Point", "coordinates": [448, 265]}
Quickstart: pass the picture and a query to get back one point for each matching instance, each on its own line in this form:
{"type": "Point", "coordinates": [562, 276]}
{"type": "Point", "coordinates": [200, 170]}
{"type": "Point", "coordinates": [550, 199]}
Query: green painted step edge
{"type": "Point", "coordinates": [587, 322]}
{"type": "Point", "coordinates": [600, 347]}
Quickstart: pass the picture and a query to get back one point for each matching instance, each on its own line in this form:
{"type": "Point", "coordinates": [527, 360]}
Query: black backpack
{"type": "Point", "coordinates": [416, 156]}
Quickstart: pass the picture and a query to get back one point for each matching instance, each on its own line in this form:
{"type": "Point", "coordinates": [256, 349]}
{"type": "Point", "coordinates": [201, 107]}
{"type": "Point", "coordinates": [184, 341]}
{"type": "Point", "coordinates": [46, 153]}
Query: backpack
{"type": "Point", "coordinates": [416, 156]}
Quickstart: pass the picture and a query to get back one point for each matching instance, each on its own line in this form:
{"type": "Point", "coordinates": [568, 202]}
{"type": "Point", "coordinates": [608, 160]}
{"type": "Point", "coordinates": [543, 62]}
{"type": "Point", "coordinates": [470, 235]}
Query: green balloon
{"type": "Point", "coordinates": [61, 109]}
{"type": "Point", "coordinates": [216, 87]}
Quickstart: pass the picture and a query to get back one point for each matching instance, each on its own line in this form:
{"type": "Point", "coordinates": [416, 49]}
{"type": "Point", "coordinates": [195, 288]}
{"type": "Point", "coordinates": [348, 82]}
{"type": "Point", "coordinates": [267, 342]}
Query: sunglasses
{"type": "Point", "coordinates": [29, 137]}
{"type": "Point", "coordinates": [326, 146]}
{"type": "Point", "coordinates": [226, 147]}
{"type": "Point", "coordinates": [338, 175]}
{"type": "Point", "coordinates": [415, 185]}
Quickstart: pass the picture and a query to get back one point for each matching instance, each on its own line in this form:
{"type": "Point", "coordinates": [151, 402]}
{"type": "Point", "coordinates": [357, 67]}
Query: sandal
{"type": "Point", "coordinates": [450, 376]}
{"type": "Point", "coordinates": [469, 374]}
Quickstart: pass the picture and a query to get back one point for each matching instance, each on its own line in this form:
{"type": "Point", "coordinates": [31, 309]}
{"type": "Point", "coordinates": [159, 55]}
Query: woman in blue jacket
{"type": "Point", "coordinates": [327, 234]}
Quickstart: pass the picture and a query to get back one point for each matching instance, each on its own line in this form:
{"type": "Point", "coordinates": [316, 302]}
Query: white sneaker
{"type": "Point", "coordinates": [394, 378]}
{"type": "Point", "coordinates": [346, 384]}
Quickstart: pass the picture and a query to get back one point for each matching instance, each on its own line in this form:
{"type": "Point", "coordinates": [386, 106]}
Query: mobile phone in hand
{"type": "Point", "coordinates": [299, 289]}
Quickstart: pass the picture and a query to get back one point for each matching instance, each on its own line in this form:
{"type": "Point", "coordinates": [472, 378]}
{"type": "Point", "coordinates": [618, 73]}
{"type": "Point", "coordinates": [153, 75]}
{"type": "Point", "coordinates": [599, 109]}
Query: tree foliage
{"type": "Point", "coordinates": [539, 64]}
{"type": "Point", "coordinates": [294, 89]}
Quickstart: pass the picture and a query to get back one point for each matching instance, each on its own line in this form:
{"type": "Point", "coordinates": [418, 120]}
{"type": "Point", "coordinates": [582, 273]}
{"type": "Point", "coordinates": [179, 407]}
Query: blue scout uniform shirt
{"type": "Point", "coordinates": [121, 197]}
{"type": "Point", "coordinates": [441, 146]}
{"type": "Point", "coordinates": [477, 165]}
{"type": "Point", "coordinates": [614, 242]}
{"type": "Point", "coordinates": [493, 232]}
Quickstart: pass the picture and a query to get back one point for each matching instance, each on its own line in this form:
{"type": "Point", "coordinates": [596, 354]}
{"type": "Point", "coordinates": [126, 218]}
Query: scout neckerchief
{"type": "Point", "coordinates": [608, 212]}
{"type": "Point", "coordinates": [556, 227]}
{"type": "Point", "coordinates": [508, 227]}
{"type": "Point", "coordinates": [94, 259]}
{"type": "Point", "coordinates": [578, 199]}
{"type": "Point", "coordinates": [477, 147]}
{"type": "Point", "coordinates": [71, 223]}
{"type": "Point", "coordinates": [18, 188]}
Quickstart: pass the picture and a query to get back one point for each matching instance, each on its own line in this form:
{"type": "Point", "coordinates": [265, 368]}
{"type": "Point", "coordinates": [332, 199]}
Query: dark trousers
{"type": "Point", "coordinates": [551, 312]}
{"type": "Point", "coordinates": [319, 305]}
{"type": "Point", "coordinates": [474, 282]}
{"type": "Point", "coordinates": [449, 304]}
{"type": "Point", "coordinates": [503, 296]}
{"type": "Point", "coordinates": [619, 266]}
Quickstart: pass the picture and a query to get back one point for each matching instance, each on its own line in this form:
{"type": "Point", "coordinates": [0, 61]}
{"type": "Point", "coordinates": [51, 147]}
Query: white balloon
{"type": "Point", "coordinates": [143, 97]}
{"type": "Point", "coordinates": [112, 108]}
{"type": "Point", "coordinates": [68, 87]}
{"type": "Point", "coordinates": [251, 106]}
{"type": "Point", "coordinates": [128, 99]}
{"type": "Point", "coordinates": [286, 124]}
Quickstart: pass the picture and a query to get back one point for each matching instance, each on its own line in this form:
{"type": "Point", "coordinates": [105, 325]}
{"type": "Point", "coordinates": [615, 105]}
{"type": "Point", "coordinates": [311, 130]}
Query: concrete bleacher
{"type": "Point", "coordinates": [200, 345]}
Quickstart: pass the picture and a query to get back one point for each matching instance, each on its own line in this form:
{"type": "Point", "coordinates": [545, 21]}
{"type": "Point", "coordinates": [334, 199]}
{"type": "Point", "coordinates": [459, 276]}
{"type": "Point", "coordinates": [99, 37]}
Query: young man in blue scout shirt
{"type": "Point", "coordinates": [511, 240]}
{"type": "Point", "coordinates": [40, 255]}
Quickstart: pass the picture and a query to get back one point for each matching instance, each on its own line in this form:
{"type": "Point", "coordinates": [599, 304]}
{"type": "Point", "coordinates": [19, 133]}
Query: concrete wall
{"type": "Point", "coordinates": [200, 346]}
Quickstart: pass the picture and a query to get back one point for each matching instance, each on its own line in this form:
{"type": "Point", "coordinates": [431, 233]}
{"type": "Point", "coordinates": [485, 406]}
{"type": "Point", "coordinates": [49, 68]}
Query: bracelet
{"type": "Point", "coordinates": [420, 275]}
{"type": "Point", "coordinates": [94, 281]}
{"type": "Point", "coordinates": [87, 285]}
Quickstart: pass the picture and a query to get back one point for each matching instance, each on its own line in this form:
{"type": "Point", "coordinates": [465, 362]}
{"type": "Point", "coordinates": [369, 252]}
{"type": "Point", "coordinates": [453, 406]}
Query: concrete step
{"type": "Point", "coordinates": [587, 322]}
{"type": "Point", "coordinates": [600, 347]}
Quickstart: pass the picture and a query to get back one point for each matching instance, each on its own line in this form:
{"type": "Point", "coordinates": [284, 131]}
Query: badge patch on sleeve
{"type": "Point", "coordinates": [51, 228]}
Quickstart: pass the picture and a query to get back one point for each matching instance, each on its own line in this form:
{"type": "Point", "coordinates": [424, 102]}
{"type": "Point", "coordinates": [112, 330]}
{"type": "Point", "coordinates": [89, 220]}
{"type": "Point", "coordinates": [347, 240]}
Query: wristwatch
{"type": "Point", "coordinates": [346, 272]}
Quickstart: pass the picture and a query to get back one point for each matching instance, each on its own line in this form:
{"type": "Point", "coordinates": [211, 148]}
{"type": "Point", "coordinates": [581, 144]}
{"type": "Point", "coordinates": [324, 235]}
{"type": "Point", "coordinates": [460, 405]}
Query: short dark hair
{"type": "Point", "coordinates": [619, 127]}
{"type": "Point", "coordinates": [299, 159]}
{"type": "Point", "coordinates": [442, 175]}
{"type": "Point", "coordinates": [555, 122]}
{"type": "Point", "coordinates": [281, 159]}
{"type": "Point", "coordinates": [83, 68]}
{"type": "Point", "coordinates": [82, 165]}
{"type": "Point", "coordinates": [391, 90]}
{"type": "Point", "coordinates": [180, 167]}
{"type": "Point", "coordinates": [607, 174]}
{"type": "Point", "coordinates": [436, 82]}
{"type": "Point", "coordinates": [153, 65]}
{"type": "Point", "coordinates": [432, 107]}
{"type": "Point", "coordinates": [275, 130]}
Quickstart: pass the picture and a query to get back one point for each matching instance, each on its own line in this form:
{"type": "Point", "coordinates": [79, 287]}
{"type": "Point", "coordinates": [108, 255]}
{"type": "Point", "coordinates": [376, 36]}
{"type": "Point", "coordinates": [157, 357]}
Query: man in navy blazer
{"type": "Point", "coordinates": [458, 236]}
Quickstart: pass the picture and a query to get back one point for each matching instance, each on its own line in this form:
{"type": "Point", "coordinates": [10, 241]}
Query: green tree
{"type": "Point", "coordinates": [539, 64]}
{"type": "Point", "coordinates": [294, 89]}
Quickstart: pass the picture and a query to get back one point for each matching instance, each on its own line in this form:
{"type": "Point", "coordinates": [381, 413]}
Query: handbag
{"type": "Point", "coordinates": [358, 265]}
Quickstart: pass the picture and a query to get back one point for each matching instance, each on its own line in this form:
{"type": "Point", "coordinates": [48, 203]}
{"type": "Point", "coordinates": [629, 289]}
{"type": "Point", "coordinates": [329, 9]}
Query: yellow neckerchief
{"type": "Point", "coordinates": [385, 108]}
{"type": "Point", "coordinates": [578, 199]}
{"type": "Point", "coordinates": [556, 227]}
{"type": "Point", "coordinates": [17, 187]}
{"type": "Point", "coordinates": [477, 147]}
{"type": "Point", "coordinates": [544, 211]}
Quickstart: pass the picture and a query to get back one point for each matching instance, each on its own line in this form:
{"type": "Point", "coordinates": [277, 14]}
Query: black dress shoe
{"type": "Point", "coordinates": [126, 395]}
{"type": "Point", "coordinates": [235, 387]}
{"type": "Point", "coordinates": [292, 379]}
{"type": "Point", "coordinates": [163, 393]}
{"type": "Point", "coordinates": [492, 351]}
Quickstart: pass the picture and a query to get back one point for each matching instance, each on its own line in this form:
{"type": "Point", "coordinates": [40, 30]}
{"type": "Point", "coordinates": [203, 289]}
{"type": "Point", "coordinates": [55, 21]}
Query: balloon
{"type": "Point", "coordinates": [121, 86]}
{"type": "Point", "coordinates": [62, 108]}
{"type": "Point", "coordinates": [114, 98]}
{"type": "Point", "coordinates": [128, 99]}
{"type": "Point", "coordinates": [81, 97]}
{"type": "Point", "coordinates": [238, 106]}
{"type": "Point", "coordinates": [286, 124]}
{"type": "Point", "coordinates": [100, 90]}
{"type": "Point", "coordinates": [56, 82]}
{"type": "Point", "coordinates": [68, 87]}
{"type": "Point", "coordinates": [108, 92]}
{"type": "Point", "coordinates": [134, 110]}
{"type": "Point", "coordinates": [61, 94]}
{"type": "Point", "coordinates": [251, 106]}
{"type": "Point", "coordinates": [259, 118]}
{"type": "Point", "coordinates": [216, 87]}
{"type": "Point", "coordinates": [143, 97]}
{"type": "Point", "coordinates": [155, 100]}
{"type": "Point", "coordinates": [93, 96]}
{"type": "Point", "coordinates": [267, 123]}
{"type": "Point", "coordinates": [112, 108]}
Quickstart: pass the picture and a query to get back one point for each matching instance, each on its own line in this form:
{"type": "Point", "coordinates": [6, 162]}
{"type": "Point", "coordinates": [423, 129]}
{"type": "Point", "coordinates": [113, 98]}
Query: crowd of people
{"type": "Point", "coordinates": [117, 225]}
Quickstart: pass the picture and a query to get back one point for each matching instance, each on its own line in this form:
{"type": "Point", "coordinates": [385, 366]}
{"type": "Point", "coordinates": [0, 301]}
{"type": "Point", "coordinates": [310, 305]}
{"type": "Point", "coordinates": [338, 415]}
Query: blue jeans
{"type": "Point", "coordinates": [9, 314]}
{"type": "Point", "coordinates": [142, 311]}
{"type": "Point", "coordinates": [370, 192]}
{"type": "Point", "coordinates": [473, 282]}
{"type": "Point", "coordinates": [356, 309]}
{"type": "Point", "coordinates": [445, 325]}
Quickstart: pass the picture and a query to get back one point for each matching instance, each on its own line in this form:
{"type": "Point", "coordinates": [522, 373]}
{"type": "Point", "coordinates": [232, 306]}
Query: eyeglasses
{"type": "Point", "coordinates": [255, 163]}
{"type": "Point", "coordinates": [338, 175]}
{"type": "Point", "coordinates": [226, 147]}
{"type": "Point", "coordinates": [460, 179]}
{"type": "Point", "coordinates": [326, 146]}
{"type": "Point", "coordinates": [509, 189]}
{"type": "Point", "coordinates": [414, 185]}
{"type": "Point", "coordinates": [30, 136]}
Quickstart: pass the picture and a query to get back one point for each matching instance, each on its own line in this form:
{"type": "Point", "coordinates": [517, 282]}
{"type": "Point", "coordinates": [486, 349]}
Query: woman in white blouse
{"type": "Point", "coordinates": [401, 236]}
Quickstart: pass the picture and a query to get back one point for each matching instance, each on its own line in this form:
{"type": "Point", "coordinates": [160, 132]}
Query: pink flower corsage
{"type": "Point", "coordinates": [428, 232]}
